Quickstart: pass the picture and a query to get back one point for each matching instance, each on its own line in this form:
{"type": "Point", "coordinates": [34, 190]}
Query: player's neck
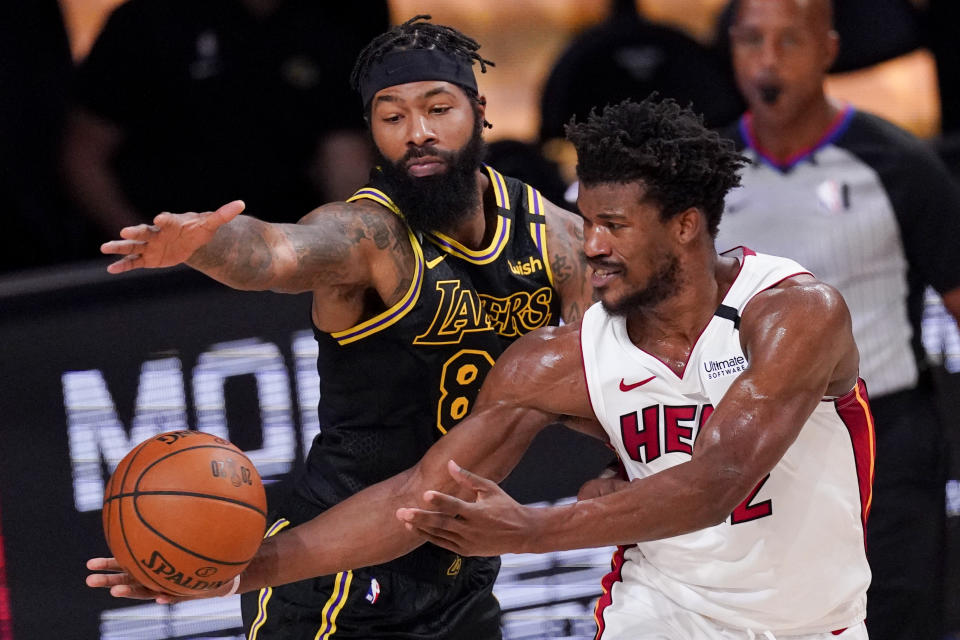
{"type": "Point", "coordinates": [476, 228]}
{"type": "Point", "coordinates": [784, 139]}
{"type": "Point", "coordinates": [671, 329]}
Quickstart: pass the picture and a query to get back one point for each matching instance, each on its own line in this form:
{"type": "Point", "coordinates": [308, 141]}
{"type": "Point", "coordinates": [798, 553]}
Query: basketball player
{"type": "Point", "coordinates": [865, 206]}
{"type": "Point", "coordinates": [727, 385]}
{"type": "Point", "coordinates": [420, 281]}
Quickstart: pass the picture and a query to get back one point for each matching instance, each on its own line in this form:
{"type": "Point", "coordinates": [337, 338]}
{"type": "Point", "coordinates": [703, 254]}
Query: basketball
{"type": "Point", "coordinates": [184, 512]}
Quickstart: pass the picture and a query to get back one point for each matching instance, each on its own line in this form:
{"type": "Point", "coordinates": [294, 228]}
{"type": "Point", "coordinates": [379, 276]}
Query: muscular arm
{"type": "Point", "coordinates": [517, 400]}
{"type": "Point", "coordinates": [802, 329]}
{"type": "Point", "coordinates": [341, 252]}
{"type": "Point", "coordinates": [800, 347]}
{"type": "Point", "coordinates": [332, 245]}
{"type": "Point", "coordinates": [568, 262]}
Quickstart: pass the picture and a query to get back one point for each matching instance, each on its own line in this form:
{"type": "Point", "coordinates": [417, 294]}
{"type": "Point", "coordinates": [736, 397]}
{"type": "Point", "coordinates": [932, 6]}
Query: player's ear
{"type": "Point", "coordinates": [688, 224]}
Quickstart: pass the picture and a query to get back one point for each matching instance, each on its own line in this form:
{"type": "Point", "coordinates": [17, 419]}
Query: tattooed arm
{"type": "Point", "coordinates": [567, 261]}
{"type": "Point", "coordinates": [339, 251]}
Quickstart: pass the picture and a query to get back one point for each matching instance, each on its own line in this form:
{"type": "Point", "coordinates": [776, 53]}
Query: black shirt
{"type": "Point", "coordinates": [217, 104]}
{"type": "Point", "coordinates": [393, 385]}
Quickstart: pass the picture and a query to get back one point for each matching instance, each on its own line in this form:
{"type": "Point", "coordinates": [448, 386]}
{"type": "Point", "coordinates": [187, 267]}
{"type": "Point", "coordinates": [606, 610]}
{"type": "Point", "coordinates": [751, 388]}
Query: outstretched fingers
{"type": "Point", "coordinates": [470, 480]}
{"type": "Point", "coordinates": [229, 211]}
{"type": "Point", "coordinates": [140, 232]}
{"type": "Point", "coordinates": [120, 583]}
{"type": "Point", "coordinates": [127, 263]}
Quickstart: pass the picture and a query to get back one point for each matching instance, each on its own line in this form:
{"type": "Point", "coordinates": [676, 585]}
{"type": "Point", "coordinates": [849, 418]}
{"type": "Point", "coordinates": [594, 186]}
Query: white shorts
{"type": "Point", "coordinates": [640, 612]}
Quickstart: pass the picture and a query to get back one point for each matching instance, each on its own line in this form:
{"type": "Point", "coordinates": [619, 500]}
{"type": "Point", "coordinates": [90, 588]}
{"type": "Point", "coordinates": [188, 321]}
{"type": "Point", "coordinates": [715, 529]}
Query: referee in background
{"type": "Point", "coordinates": [872, 211]}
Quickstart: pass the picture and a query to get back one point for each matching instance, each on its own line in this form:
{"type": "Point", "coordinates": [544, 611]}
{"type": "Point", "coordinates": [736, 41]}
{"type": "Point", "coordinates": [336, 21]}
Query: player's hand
{"type": "Point", "coordinates": [600, 487]}
{"type": "Point", "coordinates": [492, 525]}
{"type": "Point", "coordinates": [170, 240]}
{"type": "Point", "coordinates": [110, 575]}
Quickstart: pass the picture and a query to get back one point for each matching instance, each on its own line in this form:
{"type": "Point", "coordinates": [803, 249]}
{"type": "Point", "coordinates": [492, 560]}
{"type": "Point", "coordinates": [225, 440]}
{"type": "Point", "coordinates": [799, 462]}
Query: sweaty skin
{"type": "Point", "coordinates": [801, 326]}
{"type": "Point", "coordinates": [356, 259]}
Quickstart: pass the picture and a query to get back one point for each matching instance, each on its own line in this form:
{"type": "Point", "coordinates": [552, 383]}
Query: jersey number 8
{"type": "Point", "coordinates": [459, 384]}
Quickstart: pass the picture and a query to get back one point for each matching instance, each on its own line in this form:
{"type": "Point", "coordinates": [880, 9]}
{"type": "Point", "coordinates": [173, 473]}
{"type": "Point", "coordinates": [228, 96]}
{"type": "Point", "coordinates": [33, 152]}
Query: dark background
{"type": "Point", "coordinates": [82, 319]}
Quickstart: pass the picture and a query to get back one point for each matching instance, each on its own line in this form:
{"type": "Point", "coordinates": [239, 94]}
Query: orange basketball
{"type": "Point", "coordinates": [184, 512]}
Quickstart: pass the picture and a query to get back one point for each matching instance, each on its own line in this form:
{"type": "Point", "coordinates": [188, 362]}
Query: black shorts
{"type": "Point", "coordinates": [429, 594]}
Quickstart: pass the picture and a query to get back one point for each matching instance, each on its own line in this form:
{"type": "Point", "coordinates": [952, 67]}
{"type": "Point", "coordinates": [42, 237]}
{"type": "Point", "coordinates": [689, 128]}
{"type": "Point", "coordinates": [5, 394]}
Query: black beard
{"type": "Point", "coordinates": [442, 201]}
{"type": "Point", "coordinates": [661, 286]}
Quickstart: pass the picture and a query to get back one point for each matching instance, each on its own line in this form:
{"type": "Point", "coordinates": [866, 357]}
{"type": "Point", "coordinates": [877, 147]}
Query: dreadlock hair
{"type": "Point", "coordinates": [666, 147]}
{"type": "Point", "coordinates": [417, 33]}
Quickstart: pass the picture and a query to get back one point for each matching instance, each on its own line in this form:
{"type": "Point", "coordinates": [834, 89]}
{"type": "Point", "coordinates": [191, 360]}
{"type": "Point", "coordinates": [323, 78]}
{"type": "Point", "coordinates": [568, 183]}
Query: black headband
{"type": "Point", "coordinates": [416, 65]}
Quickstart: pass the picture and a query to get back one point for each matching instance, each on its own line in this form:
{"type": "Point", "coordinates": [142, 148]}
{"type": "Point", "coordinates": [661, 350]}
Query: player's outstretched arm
{"type": "Point", "coordinates": [799, 346]}
{"type": "Point", "coordinates": [334, 245]}
{"type": "Point", "coordinates": [518, 399]}
{"type": "Point", "coordinates": [170, 240]}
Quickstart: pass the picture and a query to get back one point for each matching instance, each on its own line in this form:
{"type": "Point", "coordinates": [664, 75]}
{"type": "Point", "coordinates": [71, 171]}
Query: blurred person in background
{"type": "Point", "coordinates": [184, 104]}
{"type": "Point", "coordinates": [872, 211]}
{"type": "Point", "coordinates": [35, 68]}
{"type": "Point", "coordinates": [627, 56]}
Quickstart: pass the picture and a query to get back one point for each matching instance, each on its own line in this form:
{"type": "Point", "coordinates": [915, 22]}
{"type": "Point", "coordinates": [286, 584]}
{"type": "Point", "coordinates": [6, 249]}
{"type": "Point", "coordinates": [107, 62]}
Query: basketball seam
{"type": "Point", "coordinates": [163, 537]}
{"type": "Point", "coordinates": [192, 494]}
{"type": "Point", "coordinates": [123, 531]}
{"type": "Point", "coordinates": [181, 547]}
{"type": "Point", "coordinates": [123, 534]}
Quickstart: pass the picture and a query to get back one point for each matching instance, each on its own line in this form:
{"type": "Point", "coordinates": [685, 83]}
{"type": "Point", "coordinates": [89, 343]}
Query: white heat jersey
{"type": "Point", "coordinates": [790, 558]}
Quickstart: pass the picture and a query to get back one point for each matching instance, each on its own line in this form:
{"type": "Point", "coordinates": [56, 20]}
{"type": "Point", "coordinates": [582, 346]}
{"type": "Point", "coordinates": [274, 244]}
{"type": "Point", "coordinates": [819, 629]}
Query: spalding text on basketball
{"type": "Point", "coordinates": [161, 567]}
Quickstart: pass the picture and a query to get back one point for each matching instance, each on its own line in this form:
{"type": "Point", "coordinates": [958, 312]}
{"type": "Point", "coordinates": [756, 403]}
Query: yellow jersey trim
{"type": "Point", "coordinates": [341, 590]}
{"type": "Point", "coordinates": [538, 230]}
{"type": "Point", "coordinates": [501, 236]}
{"type": "Point", "coordinates": [369, 193]}
{"type": "Point", "coordinates": [389, 317]}
{"type": "Point", "coordinates": [499, 187]}
{"type": "Point", "coordinates": [266, 593]}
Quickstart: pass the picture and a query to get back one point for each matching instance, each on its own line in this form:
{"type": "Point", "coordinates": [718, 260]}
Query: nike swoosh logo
{"type": "Point", "coordinates": [432, 263]}
{"type": "Point", "coordinates": [628, 387]}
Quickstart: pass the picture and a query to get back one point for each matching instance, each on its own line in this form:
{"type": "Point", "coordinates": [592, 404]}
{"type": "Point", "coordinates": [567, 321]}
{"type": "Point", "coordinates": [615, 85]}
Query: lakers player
{"type": "Point", "coordinates": [419, 282]}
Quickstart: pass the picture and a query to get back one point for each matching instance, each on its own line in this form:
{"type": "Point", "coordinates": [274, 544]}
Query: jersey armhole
{"type": "Point", "coordinates": [588, 363]}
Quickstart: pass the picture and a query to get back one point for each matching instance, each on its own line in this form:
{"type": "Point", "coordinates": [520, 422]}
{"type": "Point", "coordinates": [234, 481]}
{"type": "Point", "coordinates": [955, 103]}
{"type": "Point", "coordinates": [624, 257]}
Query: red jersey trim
{"type": "Point", "coordinates": [854, 410]}
{"type": "Point", "coordinates": [606, 598]}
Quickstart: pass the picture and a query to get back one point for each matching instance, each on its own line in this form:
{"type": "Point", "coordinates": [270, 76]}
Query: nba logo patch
{"type": "Point", "coordinates": [374, 592]}
{"type": "Point", "coordinates": [833, 197]}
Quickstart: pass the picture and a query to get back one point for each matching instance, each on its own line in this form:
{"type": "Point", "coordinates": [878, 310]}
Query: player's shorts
{"type": "Point", "coordinates": [640, 612]}
{"type": "Point", "coordinates": [422, 596]}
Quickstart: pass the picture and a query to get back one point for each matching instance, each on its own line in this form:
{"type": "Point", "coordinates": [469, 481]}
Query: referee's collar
{"type": "Point", "coordinates": [835, 129]}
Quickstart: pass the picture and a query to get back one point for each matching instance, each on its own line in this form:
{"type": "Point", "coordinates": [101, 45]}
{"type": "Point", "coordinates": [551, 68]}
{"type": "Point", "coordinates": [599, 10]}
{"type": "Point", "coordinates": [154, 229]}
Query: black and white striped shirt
{"type": "Point", "coordinates": [870, 210]}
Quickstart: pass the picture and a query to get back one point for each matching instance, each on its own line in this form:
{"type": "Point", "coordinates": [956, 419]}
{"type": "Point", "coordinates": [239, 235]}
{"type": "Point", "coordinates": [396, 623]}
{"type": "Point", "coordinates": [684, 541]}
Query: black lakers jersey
{"type": "Point", "coordinates": [392, 385]}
